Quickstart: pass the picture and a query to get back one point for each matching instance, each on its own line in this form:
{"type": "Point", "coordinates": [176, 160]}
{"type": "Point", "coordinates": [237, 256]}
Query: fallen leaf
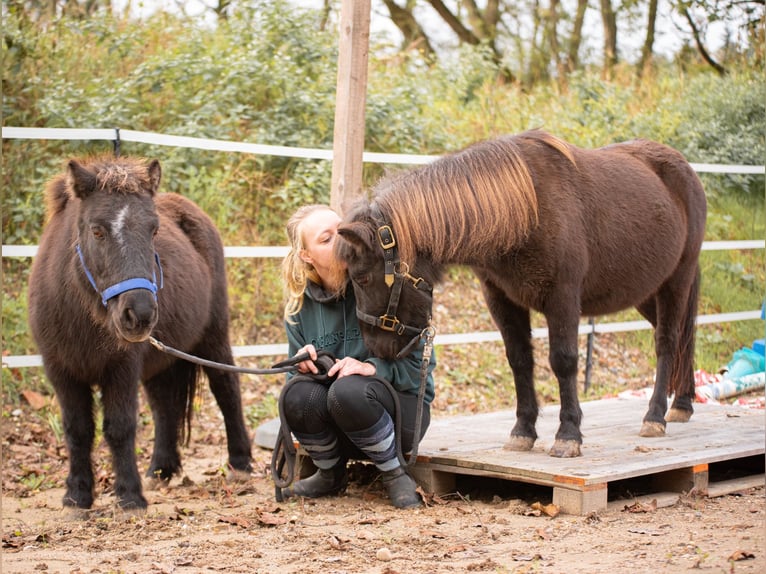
{"type": "Point", "coordinates": [638, 507]}
{"type": "Point", "coordinates": [235, 520]}
{"type": "Point", "coordinates": [35, 399]}
{"type": "Point", "coordinates": [271, 518]}
{"type": "Point", "coordinates": [741, 555]}
{"type": "Point", "coordinates": [273, 508]}
{"type": "Point", "coordinates": [548, 509]}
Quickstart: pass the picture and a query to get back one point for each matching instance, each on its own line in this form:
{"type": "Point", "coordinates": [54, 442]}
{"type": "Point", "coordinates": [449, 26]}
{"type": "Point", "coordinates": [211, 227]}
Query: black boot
{"type": "Point", "coordinates": [401, 488]}
{"type": "Point", "coordinates": [322, 483]}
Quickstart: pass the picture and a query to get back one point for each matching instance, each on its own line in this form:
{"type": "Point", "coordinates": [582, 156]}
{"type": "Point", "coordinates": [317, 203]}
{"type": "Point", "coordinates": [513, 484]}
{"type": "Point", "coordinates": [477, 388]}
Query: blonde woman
{"type": "Point", "coordinates": [354, 417]}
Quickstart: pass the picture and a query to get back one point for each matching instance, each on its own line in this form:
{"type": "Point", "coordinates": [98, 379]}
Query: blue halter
{"type": "Point", "coordinates": [128, 284]}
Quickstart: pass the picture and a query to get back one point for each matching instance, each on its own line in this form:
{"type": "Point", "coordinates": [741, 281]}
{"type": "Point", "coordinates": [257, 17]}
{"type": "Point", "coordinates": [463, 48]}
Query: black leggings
{"type": "Point", "coordinates": [351, 404]}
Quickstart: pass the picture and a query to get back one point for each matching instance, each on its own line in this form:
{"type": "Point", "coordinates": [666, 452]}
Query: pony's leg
{"type": "Point", "coordinates": [76, 401]}
{"type": "Point", "coordinates": [120, 402]}
{"type": "Point", "coordinates": [672, 312]}
{"type": "Point", "coordinates": [225, 389]}
{"type": "Point", "coordinates": [170, 394]}
{"type": "Point", "coordinates": [562, 336]}
{"type": "Point", "coordinates": [682, 378]}
{"type": "Point", "coordinates": [514, 325]}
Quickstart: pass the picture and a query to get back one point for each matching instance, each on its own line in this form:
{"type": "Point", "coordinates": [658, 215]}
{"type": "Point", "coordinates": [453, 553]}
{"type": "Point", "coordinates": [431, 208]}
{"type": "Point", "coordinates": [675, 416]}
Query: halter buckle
{"type": "Point", "coordinates": [386, 237]}
{"type": "Point", "coordinates": [388, 323]}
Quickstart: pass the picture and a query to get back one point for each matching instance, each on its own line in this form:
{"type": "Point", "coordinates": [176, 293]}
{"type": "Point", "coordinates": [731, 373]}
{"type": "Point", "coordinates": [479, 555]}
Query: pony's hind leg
{"type": "Point", "coordinates": [170, 395]}
{"type": "Point", "coordinates": [673, 313]}
{"type": "Point", "coordinates": [120, 402]}
{"type": "Point", "coordinates": [76, 401]}
{"type": "Point", "coordinates": [514, 324]}
{"type": "Point", "coordinates": [682, 377]}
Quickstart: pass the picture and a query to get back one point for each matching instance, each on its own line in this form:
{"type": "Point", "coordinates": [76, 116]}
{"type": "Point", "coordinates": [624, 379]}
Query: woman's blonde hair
{"type": "Point", "coordinates": [295, 271]}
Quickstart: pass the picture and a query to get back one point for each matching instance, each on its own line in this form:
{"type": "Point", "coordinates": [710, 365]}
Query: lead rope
{"type": "Point", "coordinates": [284, 453]}
{"type": "Point", "coordinates": [281, 367]}
{"type": "Point", "coordinates": [429, 333]}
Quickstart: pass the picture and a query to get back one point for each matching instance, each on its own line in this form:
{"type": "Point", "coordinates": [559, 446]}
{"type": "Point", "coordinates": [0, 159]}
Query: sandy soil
{"type": "Point", "coordinates": [202, 523]}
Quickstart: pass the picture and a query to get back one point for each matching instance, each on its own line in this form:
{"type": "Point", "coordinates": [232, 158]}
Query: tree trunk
{"type": "Point", "coordinates": [609, 20]}
{"type": "Point", "coordinates": [573, 53]}
{"type": "Point", "coordinates": [648, 47]}
{"type": "Point", "coordinates": [553, 42]}
{"type": "Point", "coordinates": [414, 36]}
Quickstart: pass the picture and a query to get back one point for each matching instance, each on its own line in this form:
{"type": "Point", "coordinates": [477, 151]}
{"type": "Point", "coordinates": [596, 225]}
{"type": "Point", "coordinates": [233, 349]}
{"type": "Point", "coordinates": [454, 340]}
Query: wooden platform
{"type": "Point", "coordinates": [716, 437]}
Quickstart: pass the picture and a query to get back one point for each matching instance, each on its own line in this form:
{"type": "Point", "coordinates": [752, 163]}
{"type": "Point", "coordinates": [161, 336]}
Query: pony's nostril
{"type": "Point", "coordinates": [129, 319]}
{"type": "Point", "coordinates": [140, 314]}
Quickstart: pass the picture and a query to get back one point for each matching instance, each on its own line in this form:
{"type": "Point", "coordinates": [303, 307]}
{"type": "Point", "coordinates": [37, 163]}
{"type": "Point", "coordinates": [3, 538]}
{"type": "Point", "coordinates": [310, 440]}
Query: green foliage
{"type": "Point", "coordinates": [268, 75]}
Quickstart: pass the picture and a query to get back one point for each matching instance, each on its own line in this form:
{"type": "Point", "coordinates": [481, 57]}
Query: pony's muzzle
{"type": "Point", "coordinates": [136, 315]}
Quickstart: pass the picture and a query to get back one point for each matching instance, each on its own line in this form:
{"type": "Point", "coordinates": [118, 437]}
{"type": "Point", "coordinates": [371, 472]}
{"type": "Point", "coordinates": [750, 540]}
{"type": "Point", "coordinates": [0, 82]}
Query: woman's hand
{"type": "Point", "coordinates": [350, 366]}
{"type": "Point", "coordinates": [308, 365]}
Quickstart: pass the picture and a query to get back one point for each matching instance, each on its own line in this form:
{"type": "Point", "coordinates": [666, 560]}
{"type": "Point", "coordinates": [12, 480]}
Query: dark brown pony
{"type": "Point", "coordinates": [546, 226]}
{"type": "Point", "coordinates": [118, 263]}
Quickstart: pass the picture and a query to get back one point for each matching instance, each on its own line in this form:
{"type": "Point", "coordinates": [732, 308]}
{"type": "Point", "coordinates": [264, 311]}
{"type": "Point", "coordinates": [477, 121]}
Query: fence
{"type": "Point", "coordinates": [117, 136]}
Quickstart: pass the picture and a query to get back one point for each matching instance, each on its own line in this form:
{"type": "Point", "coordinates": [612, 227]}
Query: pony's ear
{"type": "Point", "coordinates": [80, 180]}
{"type": "Point", "coordinates": [155, 175]}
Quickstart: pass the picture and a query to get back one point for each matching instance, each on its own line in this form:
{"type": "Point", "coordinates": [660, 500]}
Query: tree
{"type": "Point", "coordinates": [648, 47]}
{"type": "Point", "coordinates": [609, 22]}
{"type": "Point", "coordinates": [414, 36]}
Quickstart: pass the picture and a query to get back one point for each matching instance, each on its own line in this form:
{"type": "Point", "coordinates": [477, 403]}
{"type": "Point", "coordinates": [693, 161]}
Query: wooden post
{"type": "Point", "coordinates": [350, 100]}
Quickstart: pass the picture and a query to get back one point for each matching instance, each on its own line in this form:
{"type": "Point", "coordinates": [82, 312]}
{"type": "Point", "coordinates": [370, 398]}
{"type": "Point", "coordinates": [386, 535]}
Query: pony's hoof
{"type": "Point", "coordinates": [565, 449]}
{"type": "Point", "coordinates": [652, 429]}
{"type": "Point", "coordinates": [237, 475]}
{"type": "Point", "coordinates": [678, 416]}
{"type": "Point", "coordinates": [519, 443]}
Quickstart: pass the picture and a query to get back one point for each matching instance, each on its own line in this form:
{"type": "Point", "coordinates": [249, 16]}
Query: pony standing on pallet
{"type": "Point", "coordinates": [118, 262]}
{"type": "Point", "coordinates": [546, 226]}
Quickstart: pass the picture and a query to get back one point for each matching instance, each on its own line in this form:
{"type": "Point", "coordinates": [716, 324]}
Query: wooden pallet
{"type": "Point", "coordinates": [612, 452]}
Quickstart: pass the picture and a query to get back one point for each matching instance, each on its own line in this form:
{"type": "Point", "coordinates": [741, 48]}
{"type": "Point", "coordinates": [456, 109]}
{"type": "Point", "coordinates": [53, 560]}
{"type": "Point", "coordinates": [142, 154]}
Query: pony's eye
{"type": "Point", "coordinates": [98, 232]}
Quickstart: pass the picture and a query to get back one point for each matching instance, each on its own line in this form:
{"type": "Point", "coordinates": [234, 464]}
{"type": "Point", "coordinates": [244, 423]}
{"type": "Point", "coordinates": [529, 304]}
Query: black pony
{"type": "Point", "coordinates": [118, 263]}
{"type": "Point", "coordinates": [546, 226]}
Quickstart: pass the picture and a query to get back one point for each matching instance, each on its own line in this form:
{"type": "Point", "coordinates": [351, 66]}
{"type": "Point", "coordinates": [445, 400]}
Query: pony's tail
{"type": "Point", "coordinates": [187, 375]}
{"type": "Point", "coordinates": [682, 375]}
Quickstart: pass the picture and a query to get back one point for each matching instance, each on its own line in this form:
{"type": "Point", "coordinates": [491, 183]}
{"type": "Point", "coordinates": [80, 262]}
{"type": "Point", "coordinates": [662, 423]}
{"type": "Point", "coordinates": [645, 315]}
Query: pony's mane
{"type": "Point", "coordinates": [120, 174]}
{"type": "Point", "coordinates": [115, 174]}
{"type": "Point", "coordinates": [476, 201]}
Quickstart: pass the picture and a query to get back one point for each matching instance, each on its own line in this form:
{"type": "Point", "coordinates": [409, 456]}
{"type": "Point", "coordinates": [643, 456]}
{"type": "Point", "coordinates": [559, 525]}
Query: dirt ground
{"type": "Point", "coordinates": [202, 523]}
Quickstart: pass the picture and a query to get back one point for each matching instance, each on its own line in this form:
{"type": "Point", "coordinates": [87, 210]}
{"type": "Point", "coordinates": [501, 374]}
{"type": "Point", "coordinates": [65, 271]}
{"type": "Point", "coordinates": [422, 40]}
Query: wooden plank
{"type": "Point", "coordinates": [350, 101]}
{"type": "Point", "coordinates": [613, 451]}
{"type": "Point", "coordinates": [724, 487]}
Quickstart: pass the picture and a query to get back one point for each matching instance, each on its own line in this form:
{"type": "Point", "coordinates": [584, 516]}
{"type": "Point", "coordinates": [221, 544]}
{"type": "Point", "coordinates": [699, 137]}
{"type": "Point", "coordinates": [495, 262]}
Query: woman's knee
{"type": "Point", "coordinates": [303, 397]}
{"type": "Point", "coordinates": [354, 400]}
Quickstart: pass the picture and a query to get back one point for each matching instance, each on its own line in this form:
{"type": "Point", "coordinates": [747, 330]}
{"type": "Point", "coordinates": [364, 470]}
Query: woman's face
{"type": "Point", "coordinates": [319, 230]}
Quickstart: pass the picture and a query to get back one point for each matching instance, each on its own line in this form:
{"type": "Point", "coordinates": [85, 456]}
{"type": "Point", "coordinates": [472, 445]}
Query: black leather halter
{"type": "Point", "coordinates": [396, 273]}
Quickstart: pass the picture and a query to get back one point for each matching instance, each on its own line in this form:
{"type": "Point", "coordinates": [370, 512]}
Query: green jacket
{"type": "Point", "coordinates": [330, 324]}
